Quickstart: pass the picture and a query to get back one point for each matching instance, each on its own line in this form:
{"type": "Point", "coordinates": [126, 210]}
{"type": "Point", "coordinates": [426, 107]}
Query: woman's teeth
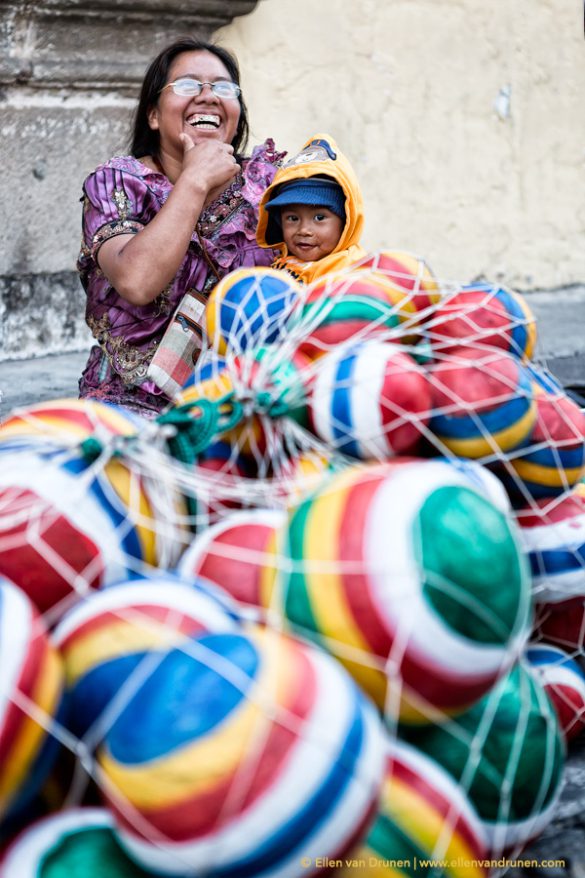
{"type": "Point", "coordinates": [204, 120]}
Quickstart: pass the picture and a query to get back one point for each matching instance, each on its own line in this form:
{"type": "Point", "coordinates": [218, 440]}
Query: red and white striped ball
{"type": "Point", "coordinates": [31, 699]}
{"type": "Point", "coordinates": [409, 274]}
{"type": "Point", "coordinates": [552, 459]}
{"type": "Point", "coordinates": [553, 536]}
{"type": "Point", "coordinates": [68, 526]}
{"type": "Point", "coordinates": [484, 315]}
{"type": "Point", "coordinates": [239, 554]}
{"type": "Point", "coordinates": [564, 682]}
{"type": "Point", "coordinates": [370, 400]}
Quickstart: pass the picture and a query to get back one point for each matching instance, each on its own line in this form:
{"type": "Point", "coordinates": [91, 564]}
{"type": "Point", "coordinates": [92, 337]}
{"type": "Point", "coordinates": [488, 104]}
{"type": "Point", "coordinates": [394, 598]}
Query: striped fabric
{"type": "Point", "coordinates": [179, 348]}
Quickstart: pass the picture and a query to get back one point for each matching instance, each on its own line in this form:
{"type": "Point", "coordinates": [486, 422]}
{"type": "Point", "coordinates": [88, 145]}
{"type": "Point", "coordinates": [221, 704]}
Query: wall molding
{"type": "Point", "coordinates": [98, 44]}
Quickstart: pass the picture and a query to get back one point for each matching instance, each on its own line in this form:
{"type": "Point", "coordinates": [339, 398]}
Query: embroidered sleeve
{"type": "Point", "coordinates": [116, 203]}
{"type": "Point", "coordinates": [110, 230]}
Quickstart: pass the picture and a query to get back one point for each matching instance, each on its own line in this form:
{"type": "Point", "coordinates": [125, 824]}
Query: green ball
{"type": "Point", "coordinates": [76, 843]}
{"type": "Point", "coordinates": [468, 546]}
{"type": "Point", "coordinates": [507, 752]}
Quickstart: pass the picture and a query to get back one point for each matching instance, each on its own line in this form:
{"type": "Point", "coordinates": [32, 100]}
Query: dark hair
{"type": "Point", "coordinates": [145, 141]}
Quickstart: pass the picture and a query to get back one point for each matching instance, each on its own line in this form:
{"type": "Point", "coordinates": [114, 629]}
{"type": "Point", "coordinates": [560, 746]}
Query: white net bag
{"type": "Point", "coordinates": [287, 623]}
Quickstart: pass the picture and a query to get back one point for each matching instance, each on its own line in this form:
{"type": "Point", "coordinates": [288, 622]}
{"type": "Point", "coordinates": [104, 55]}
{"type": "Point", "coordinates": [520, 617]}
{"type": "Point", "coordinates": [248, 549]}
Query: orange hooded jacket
{"type": "Point", "coordinates": [320, 155]}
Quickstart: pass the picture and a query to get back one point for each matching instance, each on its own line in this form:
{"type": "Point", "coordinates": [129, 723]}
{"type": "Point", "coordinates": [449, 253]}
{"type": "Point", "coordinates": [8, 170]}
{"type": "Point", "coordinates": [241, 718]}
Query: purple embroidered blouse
{"type": "Point", "coordinates": [121, 197]}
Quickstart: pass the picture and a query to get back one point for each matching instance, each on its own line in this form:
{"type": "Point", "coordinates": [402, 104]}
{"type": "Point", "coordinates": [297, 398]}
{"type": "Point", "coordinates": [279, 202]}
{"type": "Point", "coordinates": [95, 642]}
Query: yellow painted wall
{"type": "Point", "coordinates": [414, 91]}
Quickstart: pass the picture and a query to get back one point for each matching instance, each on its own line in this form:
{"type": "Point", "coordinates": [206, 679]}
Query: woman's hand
{"type": "Point", "coordinates": [208, 165]}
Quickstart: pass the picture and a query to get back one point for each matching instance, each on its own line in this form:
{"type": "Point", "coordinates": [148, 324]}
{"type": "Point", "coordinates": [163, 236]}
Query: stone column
{"type": "Point", "coordinates": [70, 71]}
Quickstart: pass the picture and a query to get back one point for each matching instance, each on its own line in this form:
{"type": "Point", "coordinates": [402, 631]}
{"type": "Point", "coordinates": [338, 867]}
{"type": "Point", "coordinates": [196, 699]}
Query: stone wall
{"type": "Point", "coordinates": [53, 140]}
{"type": "Point", "coordinates": [464, 120]}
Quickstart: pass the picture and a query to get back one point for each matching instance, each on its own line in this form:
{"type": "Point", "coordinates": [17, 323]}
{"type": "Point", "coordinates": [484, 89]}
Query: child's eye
{"type": "Point", "coordinates": [290, 217]}
{"type": "Point", "coordinates": [320, 217]}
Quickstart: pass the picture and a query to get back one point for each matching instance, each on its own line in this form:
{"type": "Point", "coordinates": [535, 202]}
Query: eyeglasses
{"type": "Point", "coordinates": [190, 88]}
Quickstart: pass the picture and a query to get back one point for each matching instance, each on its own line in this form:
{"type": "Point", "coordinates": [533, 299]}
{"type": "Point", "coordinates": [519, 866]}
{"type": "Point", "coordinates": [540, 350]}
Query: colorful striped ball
{"type": "Point", "coordinates": [422, 814]}
{"type": "Point", "coordinates": [370, 400]}
{"type": "Point", "coordinates": [350, 306]}
{"type": "Point", "coordinates": [77, 843]}
{"type": "Point", "coordinates": [65, 421]}
{"type": "Point", "coordinates": [67, 527]}
{"type": "Point", "coordinates": [249, 307]}
{"type": "Point", "coordinates": [483, 403]}
{"type": "Point", "coordinates": [111, 639]}
{"type": "Point", "coordinates": [283, 761]}
{"type": "Point", "coordinates": [553, 536]}
{"type": "Point", "coordinates": [484, 315]}
{"type": "Point", "coordinates": [407, 273]}
{"type": "Point", "coordinates": [507, 752]}
{"type": "Point", "coordinates": [564, 682]}
{"type": "Point", "coordinates": [413, 578]}
{"type": "Point", "coordinates": [553, 460]}
{"type": "Point", "coordinates": [239, 554]}
{"type": "Point", "coordinates": [31, 698]}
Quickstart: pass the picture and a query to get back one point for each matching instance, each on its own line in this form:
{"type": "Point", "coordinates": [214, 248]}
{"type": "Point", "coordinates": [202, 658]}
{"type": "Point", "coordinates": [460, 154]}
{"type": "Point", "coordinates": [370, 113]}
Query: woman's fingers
{"type": "Point", "coordinates": [210, 160]}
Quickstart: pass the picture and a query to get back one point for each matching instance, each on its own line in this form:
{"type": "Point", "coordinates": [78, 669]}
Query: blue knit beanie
{"type": "Point", "coordinates": [315, 191]}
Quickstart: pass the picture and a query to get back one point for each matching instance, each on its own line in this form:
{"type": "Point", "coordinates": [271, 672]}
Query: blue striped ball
{"type": "Point", "coordinates": [249, 307]}
{"type": "Point", "coordinates": [370, 400]}
{"type": "Point", "coordinates": [483, 403]}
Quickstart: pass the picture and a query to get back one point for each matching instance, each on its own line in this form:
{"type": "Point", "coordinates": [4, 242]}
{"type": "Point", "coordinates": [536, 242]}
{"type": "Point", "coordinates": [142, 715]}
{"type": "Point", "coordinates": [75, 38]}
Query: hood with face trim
{"type": "Point", "coordinates": [319, 156]}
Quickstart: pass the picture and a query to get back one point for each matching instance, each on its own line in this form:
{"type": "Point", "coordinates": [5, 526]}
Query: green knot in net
{"type": "Point", "coordinates": [197, 423]}
{"type": "Point", "coordinates": [92, 448]}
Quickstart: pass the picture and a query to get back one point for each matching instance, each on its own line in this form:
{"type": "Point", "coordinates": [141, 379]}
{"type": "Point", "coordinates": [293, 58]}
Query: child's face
{"type": "Point", "coordinates": [310, 233]}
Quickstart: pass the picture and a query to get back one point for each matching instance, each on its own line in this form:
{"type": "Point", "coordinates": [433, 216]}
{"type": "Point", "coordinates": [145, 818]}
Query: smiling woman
{"type": "Point", "coordinates": [169, 219]}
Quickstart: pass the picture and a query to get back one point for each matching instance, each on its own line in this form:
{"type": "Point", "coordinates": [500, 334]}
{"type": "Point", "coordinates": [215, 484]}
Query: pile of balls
{"type": "Point", "coordinates": [326, 615]}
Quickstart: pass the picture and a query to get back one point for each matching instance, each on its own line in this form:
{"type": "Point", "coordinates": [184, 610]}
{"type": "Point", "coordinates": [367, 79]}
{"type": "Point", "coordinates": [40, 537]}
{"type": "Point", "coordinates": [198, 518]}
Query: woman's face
{"type": "Point", "coordinates": [202, 117]}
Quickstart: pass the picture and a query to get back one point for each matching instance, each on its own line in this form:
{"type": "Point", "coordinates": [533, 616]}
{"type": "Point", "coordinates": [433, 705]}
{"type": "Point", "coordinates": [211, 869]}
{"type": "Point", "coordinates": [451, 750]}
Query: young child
{"type": "Point", "coordinates": [313, 212]}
